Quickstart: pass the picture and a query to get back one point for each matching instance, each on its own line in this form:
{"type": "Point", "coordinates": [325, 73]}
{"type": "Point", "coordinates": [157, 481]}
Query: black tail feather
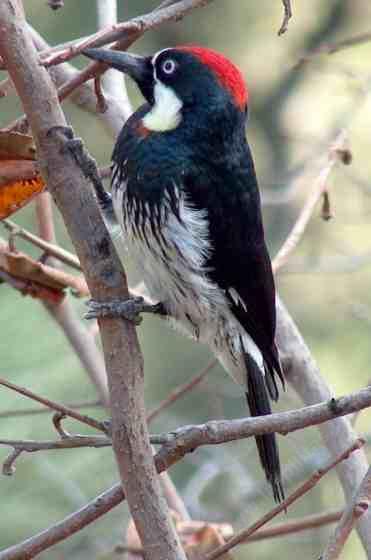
{"type": "Point", "coordinates": [259, 405]}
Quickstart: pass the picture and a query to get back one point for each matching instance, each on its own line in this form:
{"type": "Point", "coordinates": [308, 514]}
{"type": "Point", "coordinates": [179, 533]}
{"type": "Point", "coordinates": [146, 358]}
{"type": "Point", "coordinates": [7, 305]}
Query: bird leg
{"type": "Point", "coordinates": [75, 146]}
{"type": "Point", "coordinates": [128, 309]}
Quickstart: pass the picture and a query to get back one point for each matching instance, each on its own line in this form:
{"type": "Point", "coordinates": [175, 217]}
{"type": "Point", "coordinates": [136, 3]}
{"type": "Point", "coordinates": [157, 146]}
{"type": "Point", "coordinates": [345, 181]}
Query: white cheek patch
{"type": "Point", "coordinates": [166, 112]}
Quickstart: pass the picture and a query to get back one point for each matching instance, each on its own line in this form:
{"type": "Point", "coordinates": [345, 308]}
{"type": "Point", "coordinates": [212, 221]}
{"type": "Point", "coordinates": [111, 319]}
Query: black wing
{"type": "Point", "coordinates": [240, 263]}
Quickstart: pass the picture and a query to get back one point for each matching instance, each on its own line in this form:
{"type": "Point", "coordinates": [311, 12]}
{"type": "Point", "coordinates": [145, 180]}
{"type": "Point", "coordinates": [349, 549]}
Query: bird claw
{"type": "Point", "coordinates": [129, 309]}
{"type": "Point", "coordinates": [76, 147]}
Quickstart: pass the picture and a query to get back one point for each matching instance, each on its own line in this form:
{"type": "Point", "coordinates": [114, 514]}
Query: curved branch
{"type": "Point", "coordinates": [303, 374]}
{"type": "Point", "coordinates": [357, 508]}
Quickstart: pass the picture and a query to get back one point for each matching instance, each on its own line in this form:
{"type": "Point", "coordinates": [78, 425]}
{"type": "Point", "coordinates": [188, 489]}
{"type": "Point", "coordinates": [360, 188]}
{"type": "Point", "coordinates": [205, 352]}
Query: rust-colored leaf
{"type": "Point", "coordinates": [200, 541]}
{"type": "Point", "coordinates": [14, 145]}
{"type": "Point", "coordinates": [19, 184]}
{"type": "Point", "coordinates": [33, 289]}
{"type": "Point", "coordinates": [197, 537]}
{"type": "Point", "coordinates": [19, 265]}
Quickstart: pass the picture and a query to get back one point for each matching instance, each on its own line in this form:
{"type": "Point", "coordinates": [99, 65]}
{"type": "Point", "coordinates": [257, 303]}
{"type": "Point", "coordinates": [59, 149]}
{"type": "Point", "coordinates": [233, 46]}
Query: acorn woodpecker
{"type": "Point", "coordinates": [185, 194]}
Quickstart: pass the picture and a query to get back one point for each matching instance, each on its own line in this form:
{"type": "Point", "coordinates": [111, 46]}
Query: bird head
{"type": "Point", "coordinates": [181, 81]}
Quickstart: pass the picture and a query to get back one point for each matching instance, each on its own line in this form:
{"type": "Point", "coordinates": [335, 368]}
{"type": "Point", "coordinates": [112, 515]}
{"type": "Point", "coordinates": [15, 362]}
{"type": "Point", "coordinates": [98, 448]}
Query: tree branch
{"type": "Point", "coordinates": [298, 493]}
{"type": "Point", "coordinates": [105, 278]}
{"type": "Point", "coordinates": [287, 15]}
{"type": "Point", "coordinates": [320, 186]}
{"type": "Point", "coordinates": [113, 82]}
{"type": "Point", "coordinates": [110, 499]}
{"type": "Point", "coordinates": [55, 406]}
{"type": "Point", "coordinates": [188, 438]}
{"type": "Point", "coordinates": [122, 31]}
{"type": "Point", "coordinates": [181, 391]}
{"type": "Point", "coordinates": [357, 508]}
{"type": "Point", "coordinates": [303, 374]}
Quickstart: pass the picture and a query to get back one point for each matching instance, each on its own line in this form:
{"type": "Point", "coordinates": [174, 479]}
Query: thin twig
{"type": "Point", "coordinates": [113, 82]}
{"type": "Point", "coordinates": [180, 391]}
{"type": "Point", "coordinates": [294, 526]}
{"type": "Point", "coordinates": [55, 406]}
{"type": "Point", "coordinates": [287, 15]}
{"type": "Point", "coordinates": [101, 100]}
{"type": "Point", "coordinates": [319, 187]}
{"type": "Point", "coordinates": [50, 248]}
{"type": "Point", "coordinates": [304, 376]}
{"type": "Point", "coordinates": [298, 493]}
{"type": "Point", "coordinates": [139, 24]}
{"type": "Point", "coordinates": [73, 523]}
{"type": "Point", "coordinates": [6, 87]}
{"type": "Point", "coordinates": [335, 47]}
{"type": "Point", "coordinates": [358, 507]}
{"type": "Point", "coordinates": [35, 411]}
{"type": "Point", "coordinates": [66, 442]}
{"type": "Point", "coordinates": [277, 530]}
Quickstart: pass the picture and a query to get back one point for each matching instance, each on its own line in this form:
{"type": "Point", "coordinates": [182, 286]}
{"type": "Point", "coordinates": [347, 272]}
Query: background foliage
{"type": "Point", "coordinates": [294, 111]}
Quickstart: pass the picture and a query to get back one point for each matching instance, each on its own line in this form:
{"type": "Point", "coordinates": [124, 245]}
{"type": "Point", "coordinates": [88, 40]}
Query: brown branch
{"type": "Point", "coordinates": [6, 87]}
{"type": "Point", "coordinates": [98, 507]}
{"type": "Point", "coordinates": [303, 374]}
{"type": "Point", "coordinates": [298, 493]}
{"type": "Point", "coordinates": [105, 278]}
{"type": "Point", "coordinates": [102, 105]}
{"type": "Point", "coordinates": [287, 15]}
{"type": "Point", "coordinates": [64, 314]}
{"type": "Point", "coordinates": [357, 507]}
{"type": "Point", "coordinates": [113, 82]}
{"type": "Point", "coordinates": [31, 288]}
{"type": "Point", "coordinates": [335, 47]}
{"type": "Point", "coordinates": [294, 526]}
{"type": "Point", "coordinates": [66, 442]}
{"type": "Point", "coordinates": [55, 406]}
{"type": "Point", "coordinates": [277, 530]}
{"type": "Point", "coordinates": [122, 31]}
{"type": "Point", "coordinates": [180, 391]}
{"type": "Point", "coordinates": [35, 411]}
{"type": "Point", "coordinates": [186, 439]}
{"type": "Point", "coordinates": [50, 249]}
{"type": "Point", "coordinates": [69, 526]}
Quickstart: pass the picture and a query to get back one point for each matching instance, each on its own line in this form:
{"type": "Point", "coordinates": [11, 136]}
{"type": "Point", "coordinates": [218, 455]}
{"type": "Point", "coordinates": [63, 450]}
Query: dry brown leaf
{"type": "Point", "coordinates": [14, 145]}
{"type": "Point", "coordinates": [203, 540]}
{"type": "Point", "coordinates": [20, 265]}
{"type": "Point", "coordinates": [12, 170]}
{"type": "Point", "coordinates": [20, 181]}
{"type": "Point", "coordinates": [197, 537]}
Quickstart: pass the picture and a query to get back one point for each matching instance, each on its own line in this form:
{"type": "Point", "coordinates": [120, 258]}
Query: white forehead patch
{"type": "Point", "coordinates": [166, 113]}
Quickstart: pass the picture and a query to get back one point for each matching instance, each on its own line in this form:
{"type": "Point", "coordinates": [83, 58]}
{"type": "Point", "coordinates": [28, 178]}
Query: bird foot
{"type": "Point", "coordinates": [129, 309]}
{"type": "Point", "coordinates": [76, 147]}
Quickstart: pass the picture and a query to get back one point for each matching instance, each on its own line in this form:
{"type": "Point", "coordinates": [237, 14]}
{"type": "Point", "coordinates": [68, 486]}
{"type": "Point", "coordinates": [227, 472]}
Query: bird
{"type": "Point", "coordinates": [184, 193]}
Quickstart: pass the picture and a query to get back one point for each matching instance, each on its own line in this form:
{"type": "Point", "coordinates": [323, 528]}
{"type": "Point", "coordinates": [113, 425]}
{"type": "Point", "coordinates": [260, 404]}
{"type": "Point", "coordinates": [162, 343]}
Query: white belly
{"type": "Point", "coordinates": [171, 262]}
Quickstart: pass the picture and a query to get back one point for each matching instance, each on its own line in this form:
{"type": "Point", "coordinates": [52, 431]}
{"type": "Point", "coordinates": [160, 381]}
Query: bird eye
{"type": "Point", "coordinates": [168, 66]}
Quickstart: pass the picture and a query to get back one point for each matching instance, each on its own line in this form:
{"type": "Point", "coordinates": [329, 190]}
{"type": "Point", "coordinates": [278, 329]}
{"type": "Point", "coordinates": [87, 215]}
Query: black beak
{"type": "Point", "coordinates": [139, 68]}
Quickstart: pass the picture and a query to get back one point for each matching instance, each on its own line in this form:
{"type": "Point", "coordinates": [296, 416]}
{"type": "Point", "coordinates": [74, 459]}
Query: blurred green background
{"type": "Point", "coordinates": [295, 109]}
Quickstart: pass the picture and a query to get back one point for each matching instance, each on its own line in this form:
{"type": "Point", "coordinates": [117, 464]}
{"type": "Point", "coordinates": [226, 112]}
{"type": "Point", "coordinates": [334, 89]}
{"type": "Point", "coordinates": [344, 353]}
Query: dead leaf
{"type": "Point", "coordinates": [14, 145]}
{"type": "Point", "coordinates": [16, 195]}
{"type": "Point", "coordinates": [28, 288]}
{"type": "Point", "coordinates": [20, 265]}
{"type": "Point", "coordinates": [202, 541]}
{"type": "Point", "coordinates": [197, 537]}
